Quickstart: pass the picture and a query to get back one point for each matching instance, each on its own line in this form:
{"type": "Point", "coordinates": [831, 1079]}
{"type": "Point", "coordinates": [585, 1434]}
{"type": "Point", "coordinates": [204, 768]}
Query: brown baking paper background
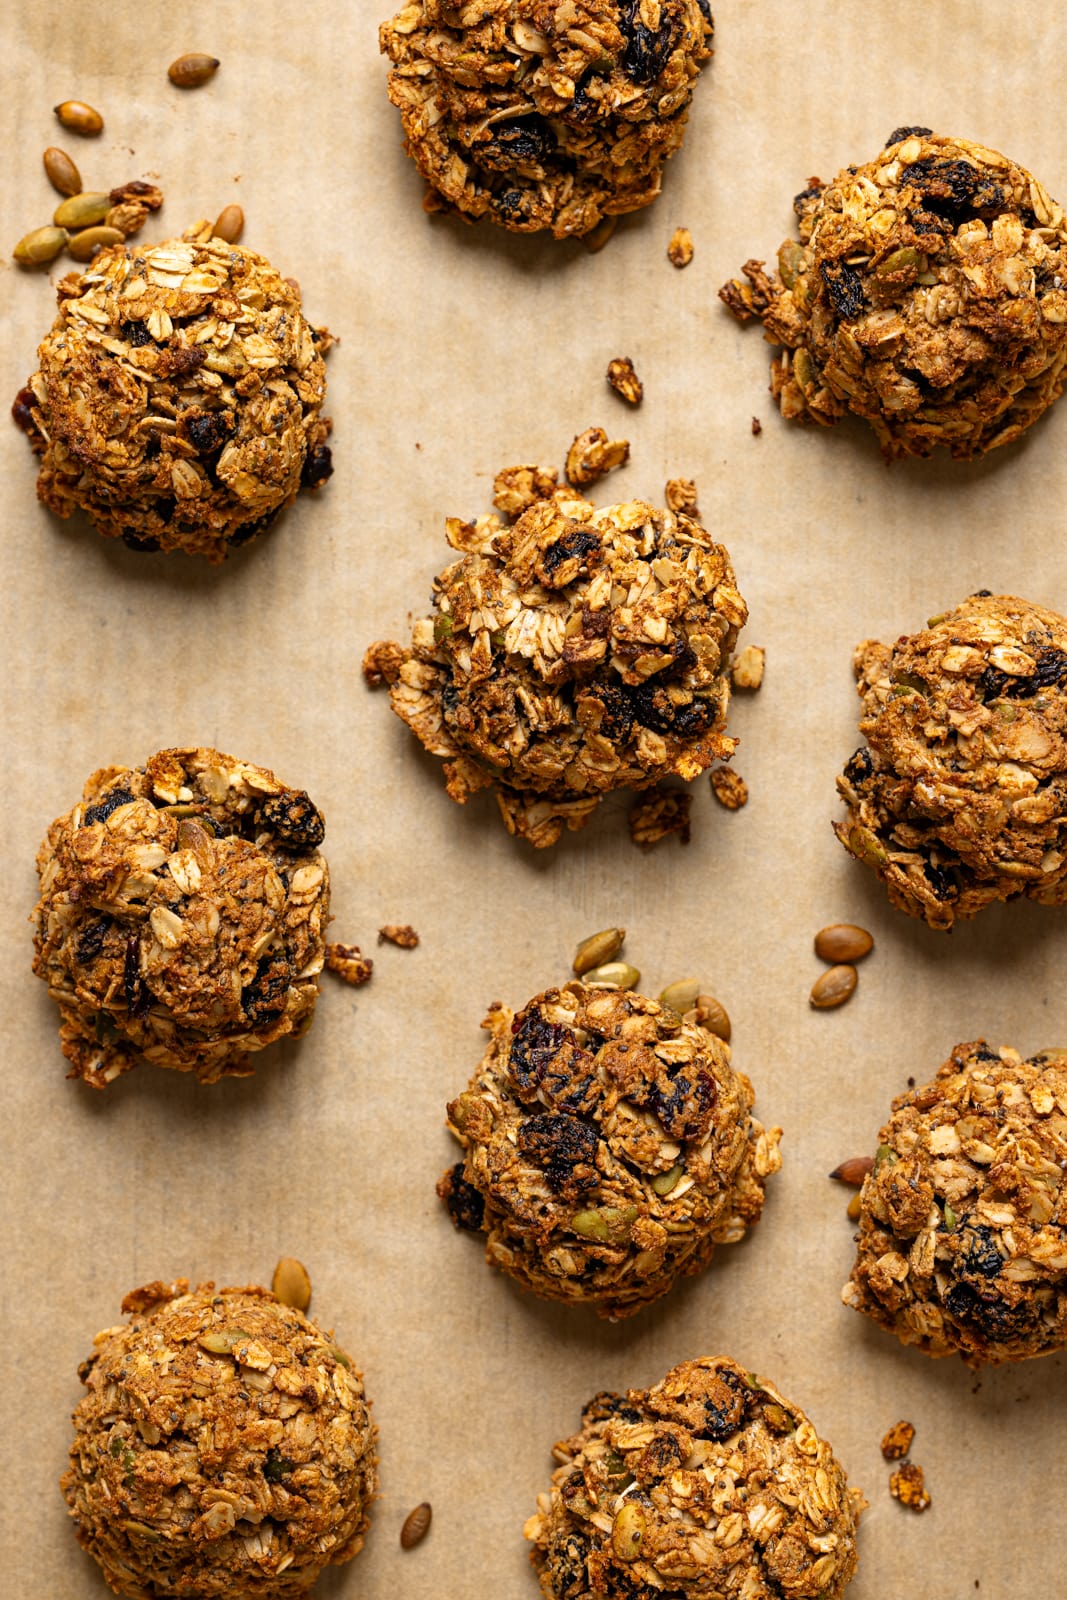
{"type": "Point", "coordinates": [463, 350]}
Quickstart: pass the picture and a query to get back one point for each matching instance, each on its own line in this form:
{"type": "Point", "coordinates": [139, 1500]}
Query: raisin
{"type": "Point", "coordinates": [1050, 670]}
{"type": "Point", "coordinates": [952, 186]}
{"type": "Point", "coordinates": [801, 200]}
{"type": "Point", "coordinates": [981, 1257]}
{"type": "Point", "coordinates": [654, 708]}
{"type": "Point", "coordinates": [22, 409]}
{"type": "Point", "coordinates": [138, 995]}
{"type": "Point", "coordinates": [136, 334]}
{"type": "Point", "coordinates": [252, 530]}
{"type": "Point", "coordinates": [143, 544]}
{"type": "Point", "coordinates": [907, 133]}
{"type": "Point", "coordinates": [981, 594]}
{"type": "Point", "coordinates": [90, 940]}
{"type": "Point", "coordinates": [565, 1565]}
{"type": "Point", "coordinates": [276, 1466]}
{"type": "Point", "coordinates": [263, 1000]}
{"type": "Point", "coordinates": [578, 542]}
{"type": "Point", "coordinates": [207, 431]}
{"type": "Point", "coordinates": [524, 141]}
{"type": "Point", "coordinates": [705, 11]}
{"type": "Point", "coordinates": [605, 1404]}
{"type": "Point", "coordinates": [685, 1109]}
{"type": "Point", "coordinates": [564, 1147]}
{"type": "Point", "coordinates": [465, 1205]}
{"type": "Point", "coordinates": [617, 715]}
{"type": "Point", "coordinates": [293, 819]}
{"type": "Point", "coordinates": [983, 1053]}
{"type": "Point", "coordinates": [860, 765]}
{"type": "Point", "coordinates": [992, 1317]}
{"type": "Point", "coordinates": [318, 467]}
{"type": "Point", "coordinates": [662, 1456]}
{"type": "Point", "coordinates": [103, 809]}
{"type": "Point", "coordinates": [533, 1045]}
{"type": "Point", "coordinates": [724, 1405]}
{"type": "Point", "coordinates": [844, 288]}
{"type": "Point", "coordinates": [509, 204]}
{"type": "Point", "coordinates": [583, 108]}
{"type": "Point", "coordinates": [941, 880]}
{"type": "Point", "coordinates": [569, 1083]}
{"type": "Point", "coordinates": [646, 53]}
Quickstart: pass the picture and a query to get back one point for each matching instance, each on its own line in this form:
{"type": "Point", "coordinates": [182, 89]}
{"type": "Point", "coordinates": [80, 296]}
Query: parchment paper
{"type": "Point", "coordinates": [463, 350]}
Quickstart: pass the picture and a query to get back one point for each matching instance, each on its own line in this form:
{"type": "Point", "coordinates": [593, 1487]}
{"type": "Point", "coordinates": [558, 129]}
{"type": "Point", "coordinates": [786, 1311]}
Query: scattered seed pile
{"type": "Point", "coordinates": [959, 797]}
{"type": "Point", "coordinates": [545, 115]}
{"type": "Point", "coordinates": [710, 1484]}
{"type": "Point", "coordinates": [178, 397]}
{"type": "Point", "coordinates": [182, 916]}
{"type": "Point", "coordinates": [963, 1222]}
{"type": "Point", "coordinates": [609, 1147]}
{"type": "Point", "coordinates": [927, 293]}
{"type": "Point", "coordinates": [223, 1447]}
{"type": "Point", "coordinates": [581, 650]}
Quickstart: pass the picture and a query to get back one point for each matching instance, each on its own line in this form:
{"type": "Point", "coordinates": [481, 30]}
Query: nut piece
{"type": "Point", "coordinates": [843, 941]}
{"type": "Point", "coordinates": [897, 1441]}
{"type": "Point", "coordinates": [748, 668]}
{"type": "Point", "coordinates": [195, 1377]}
{"type": "Point", "coordinates": [853, 1171]}
{"type": "Point", "coordinates": [833, 987]}
{"type": "Point", "coordinates": [61, 172]}
{"type": "Point", "coordinates": [349, 964]}
{"type": "Point", "coordinates": [729, 788]}
{"type": "Point", "coordinates": [680, 249]}
{"type": "Point", "coordinates": [79, 118]}
{"type": "Point", "coordinates": [592, 454]}
{"type": "Point", "coordinates": [681, 497]}
{"type": "Point", "coordinates": [399, 934]}
{"type": "Point", "coordinates": [609, 1146]}
{"type": "Point", "coordinates": [711, 1014]}
{"type": "Point", "coordinates": [229, 224]}
{"type": "Point", "coordinates": [624, 380]}
{"type": "Point", "coordinates": [42, 245]}
{"type": "Point", "coordinates": [416, 1526]}
{"type": "Point", "coordinates": [291, 1284]}
{"type": "Point", "coordinates": [598, 948]}
{"type": "Point", "coordinates": [906, 1485]}
{"type": "Point", "coordinates": [625, 1502]}
{"type": "Point", "coordinates": [83, 246]}
{"type": "Point", "coordinates": [190, 71]}
{"type": "Point", "coordinates": [82, 210]}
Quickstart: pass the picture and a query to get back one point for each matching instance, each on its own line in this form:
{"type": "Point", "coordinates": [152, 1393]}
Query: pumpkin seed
{"type": "Point", "coordinates": [885, 1156]}
{"type": "Point", "coordinates": [598, 948]}
{"type": "Point", "coordinates": [628, 1531]}
{"type": "Point", "coordinates": [843, 941]}
{"type": "Point", "coordinates": [416, 1526]}
{"type": "Point", "coordinates": [664, 1182]}
{"type": "Point", "coordinates": [854, 1209]}
{"type": "Point", "coordinates": [79, 118]}
{"type": "Point", "coordinates": [291, 1283]}
{"type": "Point", "coordinates": [84, 245]}
{"type": "Point", "coordinates": [82, 210]}
{"type": "Point", "coordinates": [833, 988]}
{"type": "Point", "coordinates": [681, 996]}
{"type": "Point", "coordinates": [229, 224]}
{"type": "Point", "coordinates": [190, 71]}
{"type": "Point", "coordinates": [614, 975]}
{"type": "Point", "coordinates": [42, 245]}
{"type": "Point", "coordinates": [712, 1015]}
{"type": "Point", "coordinates": [61, 172]}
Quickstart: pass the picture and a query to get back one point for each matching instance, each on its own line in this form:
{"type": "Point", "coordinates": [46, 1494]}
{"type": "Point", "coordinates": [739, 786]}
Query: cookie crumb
{"type": "Point", "coordinates": [516, 489]}
{"type": "Point", "coordinates": [661, 814]}
{"type": "Point", "coordinates": [757, 427]}
{"type": "Point", "coordinates": [906, 1485]}
{"type": "Point", "coordinates": [681, 497]}
{"type": "Point", "coordinates": [398, 933]}
{"type": "Point", "coordinates": [747, 670]}
{"type": "Point", "coordinates": [592, 454]}
{"type": "Point", "coordinates": [624, 380]}
{"type": "Point", "coordinates": [680, 249]}
{"type": "Point", "coordinates": [729, 788]}
{"type": "Point", "coordinates": [897, 1441]}
{"type": "Point", "coordinates": [349, 964]}
{"type": "Point", "coordinates": [382, 663]}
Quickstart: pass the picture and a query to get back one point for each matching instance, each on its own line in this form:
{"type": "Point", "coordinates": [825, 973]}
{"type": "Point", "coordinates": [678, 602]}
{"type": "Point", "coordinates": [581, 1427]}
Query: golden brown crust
{"type": "Point", "coordinates": [961, 1247]}
{"type": "Point", "coordinates": [223, 1447]}
{"type": "Point", "coordinates": [609, 1146]}
{"type": "Point", "coordinates": [182, 916]}
{"type": "Point", "coordinates": [927, 293]}
{"type": "Point", "coordinates": [959, 797]}
{"type": "Point", "coordinates": [708, 1486]}
{"type": "Point", "coordinates": [178, 396]}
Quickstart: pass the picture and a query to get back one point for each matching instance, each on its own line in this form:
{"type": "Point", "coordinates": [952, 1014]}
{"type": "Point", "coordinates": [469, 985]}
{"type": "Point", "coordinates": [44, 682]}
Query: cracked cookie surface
{"type": "Point", "coordinates": [182, 916]}
{"type": "Point", "coordinates": [544, 114]}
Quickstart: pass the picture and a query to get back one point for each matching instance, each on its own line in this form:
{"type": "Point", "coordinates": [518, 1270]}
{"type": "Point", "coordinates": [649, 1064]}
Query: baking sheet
{"type": "Point", "coordinates": [463, 350]}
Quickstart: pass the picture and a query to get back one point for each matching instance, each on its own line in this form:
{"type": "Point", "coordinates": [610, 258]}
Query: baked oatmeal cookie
{"type": "Point", "coordinates": [182, 916]}
{"type": "Point", "coordinates": [962, 1247]}
{"type": "Point", "coordinates": [542, 115]}
{"type": "Point", "coordinates": [580, 651]}
{"type": "Point", "coordinates": [178, 396]}
{"type": "Point", "coordinates": [959, 797]}
{"type": "Point", "coordinates": [223, 1448]}
{"type": "Point", "coordinates": [708, 1486]}
{"type": "Point", "coordinates": [609, 1146]}
{"type": "Point", "coordinates": [927, 292]}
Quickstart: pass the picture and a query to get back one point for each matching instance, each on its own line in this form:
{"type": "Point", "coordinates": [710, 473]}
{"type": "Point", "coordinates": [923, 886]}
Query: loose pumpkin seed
{"type": "Point", "coordinates": [681, 996]}
{"type": "Point", "coordinates": [712, 1015]}
{"type": "Point", "coordinates": [190, 71]}
{"type": "Point", "coordinates": [42, 245]}
{"type": "Point", "coordinates": [84, 245]}
{"type": "Point", "coordinates": [229, 224]}
{"type": "Point", "coordinates": [833, 988]}
{"type": "Point", "coordinates": [416, 1526]}
{"type": "Point", "coordinates": [79, 117]}
{"type": "Point", "coordinates": [598, 948]}
{"type": "Point", "coordinates": [291, 1283]}
{"type": "Point", "coordinates": [614, 975]}
{"type": "Point", "coordinates": [82, 210]}
{"type": "Point", "coordinates": [61, 172]}
{"type": "Point", "coordinates": [843, 941]}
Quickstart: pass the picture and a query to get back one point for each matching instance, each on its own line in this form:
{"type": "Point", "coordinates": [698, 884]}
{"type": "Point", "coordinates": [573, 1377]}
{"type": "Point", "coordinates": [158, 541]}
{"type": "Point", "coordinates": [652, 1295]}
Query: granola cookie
{"type": "Point", "coordinates": [182, 916]}
{"type": "Point", "coordinates": [178, 395]}
{"type": "Point", "coordinates": [710, 1484]}
{"type": "Point", "coordinates": [927, 293]}
{"type": "Point", "coordinates": [540, 115]}
{"type": "Point", "coordinates": [959, 797]}
{"type": "Point", "coordinates": [223, 1448]}
{"type": "Point", "coordinates": [580, 651]}
{"type": "Point", "coordinates": [962, 1247]}
{"type": "Point", "coordinates": [609, 1146]}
